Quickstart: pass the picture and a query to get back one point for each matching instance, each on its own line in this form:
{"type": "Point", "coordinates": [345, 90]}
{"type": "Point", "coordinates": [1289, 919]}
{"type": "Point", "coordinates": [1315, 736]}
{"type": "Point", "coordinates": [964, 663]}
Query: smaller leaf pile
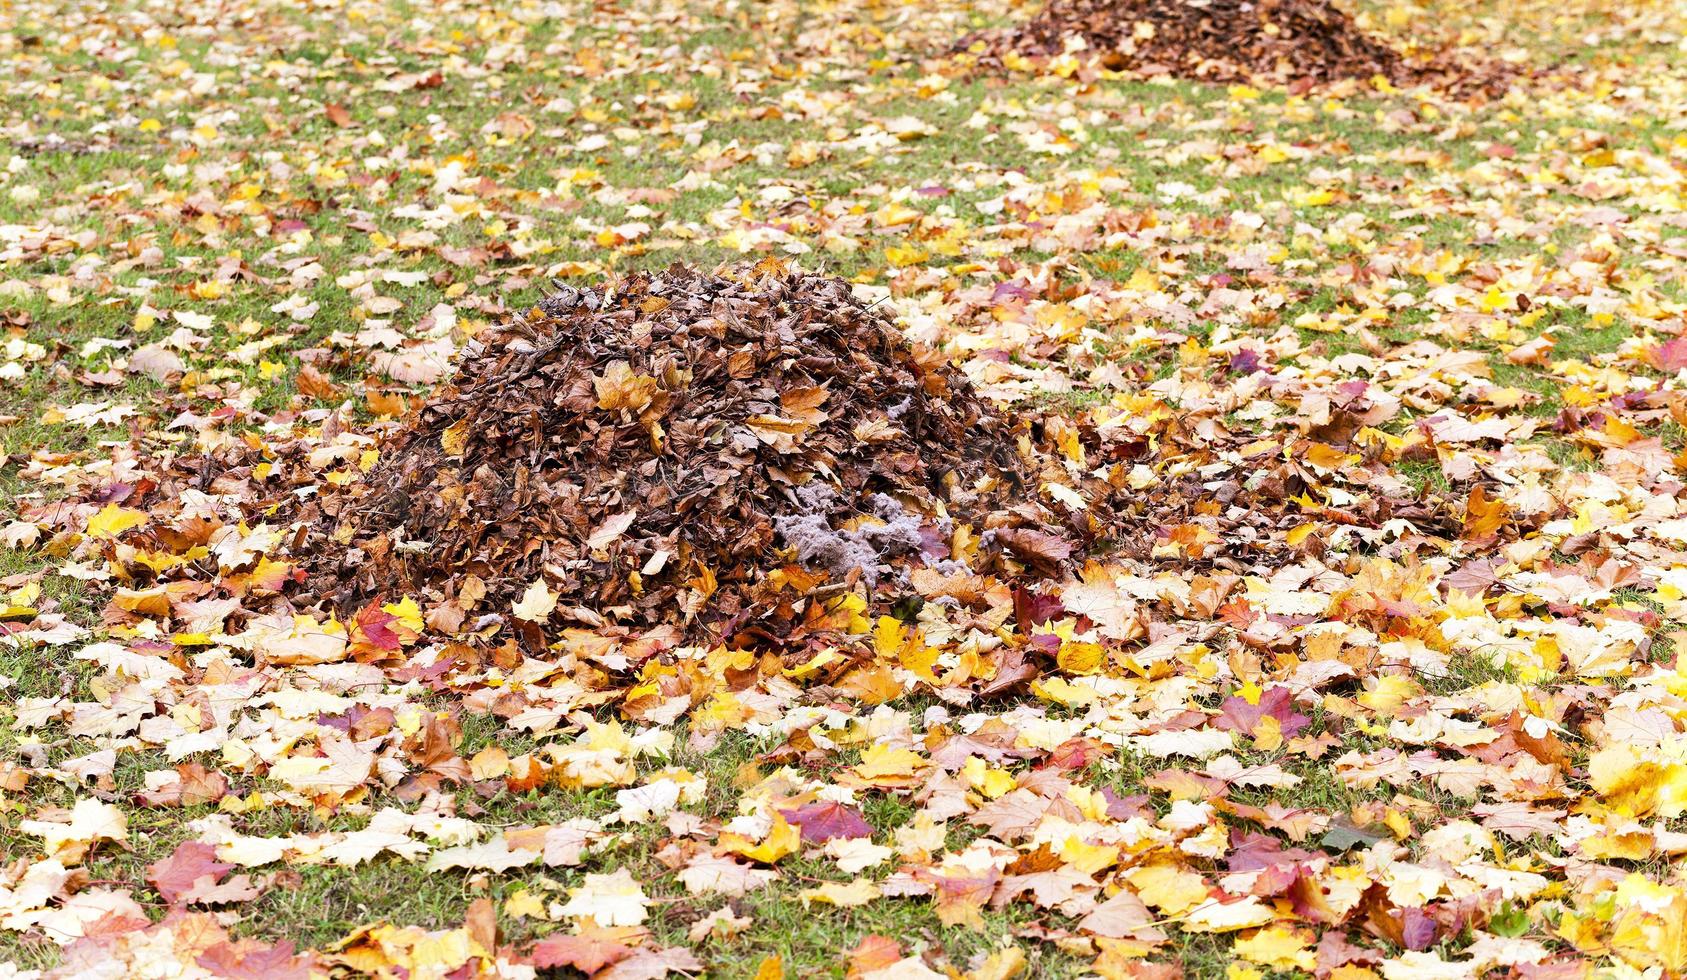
{"type": "Point", "coordinates": [652, 456]}
{"type": "Point", "coordinates": [1308, 41]}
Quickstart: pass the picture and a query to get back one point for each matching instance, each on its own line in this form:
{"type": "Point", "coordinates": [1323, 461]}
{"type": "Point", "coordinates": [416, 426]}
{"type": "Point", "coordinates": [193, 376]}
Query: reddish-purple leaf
{"type": "Point", "coordinates": [176, 876]}
{"type": "Point", "coordinates": [824, 820]}
{"type": "Point", "coordinates": [248, 959]}
{"type": "Point", "coordinates": [1670, 356]}
{"type": "Point", "coordinates": [1276, 702]}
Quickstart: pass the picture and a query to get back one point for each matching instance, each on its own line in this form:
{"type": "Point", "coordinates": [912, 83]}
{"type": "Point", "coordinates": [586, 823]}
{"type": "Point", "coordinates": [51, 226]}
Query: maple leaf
{"type": "Point", "coordinates": [70, 835]}
{"type": "Point", "coordinates": [653, 964]}
{"type": "Point", "coordinates": [824, 820]}
{"type": "Point", "coordinates": [343, 767]}
{"type": "Point", "coordinates": [113, 520]}
{"type": "Point", "coordinates": [1113, 612]}
{"type": "Point", "coordinates": [249, 959]}
{"type": "Point", "coordinates": [1278, 948]}
{"type": "Point", "coordinates": [493, 854]}
{"type": "Point", "coordinates": [856, 893]}
{"type": "Point", "coordinates": [1272, 707]}
{"type": "Point", "coordinates": [874, 952]}
{"type": "Point", "coordinates": [603, 537]}
{"type": "Point", "coordinates": [1484, 517]}
{"type": "Point", "coordinates": [782, 839]}
{"type": "Point", "coordinates": [1670, 356]}
{"type": "Point", "coordinates": [1035, 546]}
{"type": "Point", "coordinates": [589, 951]}
{"type": "Point", "coordinates": [537, 603]}
{"type": "Point", "coordinates": [1122, 916]}
{"type": "Point", "coordinates": [613, 899]}
{"type": "Point", "coordinates": [189, 867]}
{"type": "Point", "coordinates": [706, 874]}
{"type": "Point", "coordinates": [620, 388]}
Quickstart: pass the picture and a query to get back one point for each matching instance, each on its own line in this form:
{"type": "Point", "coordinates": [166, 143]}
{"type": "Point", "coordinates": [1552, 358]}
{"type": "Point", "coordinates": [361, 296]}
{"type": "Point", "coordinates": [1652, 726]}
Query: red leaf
{"type": "Point", "coordinates": [176, 876]}
{"type": "Point", "coordinates": [337, 114]}
{"type": "Point", "coordinates": [588, 954]}
{"type": "Point", "coordinates": [1076, 753]}
{"type": "Point", "coordinates": [1276, 702]}
{"type": "Point", "coordinates": [1031, 609]}
{"type": "Point", "coordinates": [824, 820]}
{"type": "Point", "coordinates": [1670, 356]}
{"type": "Point", "coordinates": [248, 959]}
{"type": "Point", "coordinates": [371, 623]}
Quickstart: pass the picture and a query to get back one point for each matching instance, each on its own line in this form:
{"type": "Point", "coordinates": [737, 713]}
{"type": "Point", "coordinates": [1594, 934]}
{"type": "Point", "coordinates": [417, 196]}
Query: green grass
{"type": "Point", "coordinates": [130, 189]}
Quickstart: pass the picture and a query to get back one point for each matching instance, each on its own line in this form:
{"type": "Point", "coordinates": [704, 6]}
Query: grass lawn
{"type": "Point", "coordinates": [1386, 380]}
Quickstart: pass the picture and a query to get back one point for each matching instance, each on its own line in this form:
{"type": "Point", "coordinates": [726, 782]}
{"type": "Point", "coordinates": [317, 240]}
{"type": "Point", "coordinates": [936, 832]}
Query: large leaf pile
{"type": "Point", "coordinates": [654, 454]}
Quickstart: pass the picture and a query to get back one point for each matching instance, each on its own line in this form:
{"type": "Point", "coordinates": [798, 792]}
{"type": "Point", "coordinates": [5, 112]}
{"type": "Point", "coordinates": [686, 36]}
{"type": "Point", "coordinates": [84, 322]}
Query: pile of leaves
{"type": "Point", "coordinates": [1286, 41]}
{"type": "Point", "coordinates": [668, 444]}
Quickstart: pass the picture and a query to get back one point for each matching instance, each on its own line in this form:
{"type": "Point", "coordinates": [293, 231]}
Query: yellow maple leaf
{"type": "Point", "coordinates": [858, 892]}
{"type": "Point", "coordinates": [525, 905]}
{"type": "Point", "coordinates": [1651, 929]}
{"type": "Point", "coordinates": [894, 641]}
{"type": "Point", "coordinates": [1080, 658]}
{"type": "Point", "coordinates": [783, 839]}
{"type": "Point", "coordinates": [1278, 948]}
{"type": "Point", "coordinates": [113, 520]}
{"type": "Point", "coordinates": [1636, 786]}
{"type": "Point", "coordinates": [406, 612]}
{"type": "Point", "coordinates": [1086, 857]}
{"type": "Point", "coordinates": [883, 763]}
{"type": "Point", "coordinates": [987, 779]}
{"type": "Point", "coordinates": [1062, 691]}
{"type": "Point", "coordinates": [1388, 693]}
{"type": "Point", "coordinates": [1170, 889]}
{"type": "Point", "coordinates": [619, 387]}
{"type": "Point", "coordinates": [536, 603]}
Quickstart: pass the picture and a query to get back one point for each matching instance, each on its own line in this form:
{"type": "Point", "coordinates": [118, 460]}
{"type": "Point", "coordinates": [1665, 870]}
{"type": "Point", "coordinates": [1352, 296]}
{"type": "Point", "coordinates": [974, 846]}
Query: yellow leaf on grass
{"type": "Point", "coordinates": [1651, 928]}
{"type": "Point", "coordinates": [858, 892]}
{"type": "Point", "coordinates": [1636, 786]}
{"type": "Point", "coordinates": [491, 762]}
{"type": "Point", "coordinates": [524, 905]}
{"type": "Point", "coordinates": [1228, 916]}
{"type": "Point", "coordinates": [883, 763]}
{"type": "Point", "coordinates": [783, 839]}
{"type": "Point", "coordinates": [1168, 888]}
{"type": "Point", "coordinates": [1389, 693]}
{"type": "Point", "coordinates": [986, 779]}
{"type": "Point", "coordinates": [1062, 691]}
{"type": "Point", "coordinates": [1086, 857]}
{"type": "Point", "coordinates": [113, 520]}
{"type": "Point", "coordinates": [73, 834]}
{"type": "Point", "coordinates": [1278, 948]}
{"type": "Point", "coordinates": [614, 899]}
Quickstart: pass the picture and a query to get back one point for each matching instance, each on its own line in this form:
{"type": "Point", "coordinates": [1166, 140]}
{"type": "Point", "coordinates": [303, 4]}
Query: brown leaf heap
{"type": "Point", "coordinates": [648, 450]}
{"type": "Point", "coordinates": [1310, 41]}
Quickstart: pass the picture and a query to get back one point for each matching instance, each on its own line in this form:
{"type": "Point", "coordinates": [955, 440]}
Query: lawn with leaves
{"type": "Point", "coordinates": [1370, 400]}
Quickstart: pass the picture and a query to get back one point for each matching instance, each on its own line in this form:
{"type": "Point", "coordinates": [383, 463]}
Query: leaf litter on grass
{"type": "Point", "coordinates": [1286, 643]}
